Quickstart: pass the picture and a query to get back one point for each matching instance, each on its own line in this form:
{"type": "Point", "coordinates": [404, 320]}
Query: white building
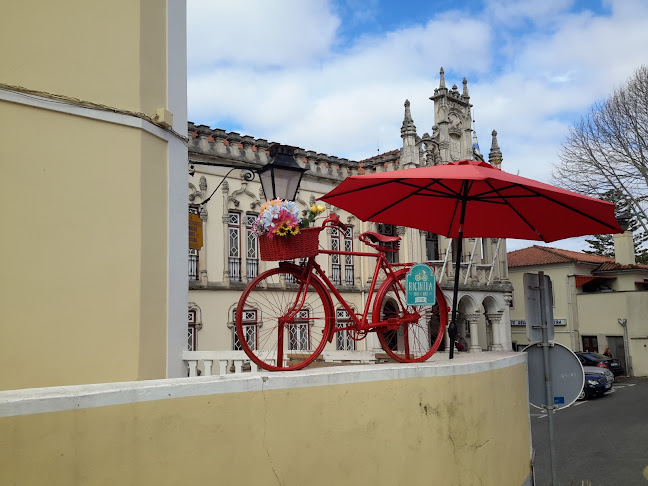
{"type": "Point", "coordinates": [229, 257]}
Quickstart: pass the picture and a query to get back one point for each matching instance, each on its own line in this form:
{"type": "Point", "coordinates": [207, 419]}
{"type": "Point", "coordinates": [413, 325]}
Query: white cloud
{"type": "Point", "coordinates": [258, 32]}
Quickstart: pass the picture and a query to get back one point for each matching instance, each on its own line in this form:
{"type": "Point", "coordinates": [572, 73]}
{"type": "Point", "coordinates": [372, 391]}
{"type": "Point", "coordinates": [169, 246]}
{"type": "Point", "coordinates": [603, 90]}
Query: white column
{"type": "Point", "coordinates": [495, 319]}
{"type": "Point", "coordinates": [473, 321]}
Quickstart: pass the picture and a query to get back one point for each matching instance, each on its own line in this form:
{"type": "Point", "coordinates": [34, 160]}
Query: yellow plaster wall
{"type": "Point", "coordinates": [84, 250]}
{"type": "Point", "coordinates": [457, 430]}
{"type": "Point", "coordinates": [112, 53]}
{"type": "Point", "coordinates": [153, 255]}
{"type": "Point", "coordinates": [599, 317]}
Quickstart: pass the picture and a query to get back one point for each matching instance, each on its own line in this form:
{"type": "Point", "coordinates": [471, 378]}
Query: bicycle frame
{"type": "Point", "coordinates": [358, 323]}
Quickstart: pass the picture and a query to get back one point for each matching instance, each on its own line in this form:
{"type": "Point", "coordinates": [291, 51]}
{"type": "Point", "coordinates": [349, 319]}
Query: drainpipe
{"type": "Point", "coordinates": [570, 315]}
{"type": "Point", "coordinates": [624, 324]}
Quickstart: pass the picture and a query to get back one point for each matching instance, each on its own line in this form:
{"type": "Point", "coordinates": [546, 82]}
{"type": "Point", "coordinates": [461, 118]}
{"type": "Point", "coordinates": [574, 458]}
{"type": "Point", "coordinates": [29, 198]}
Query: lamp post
{"type": "Point", "coordinates": [280, 177]}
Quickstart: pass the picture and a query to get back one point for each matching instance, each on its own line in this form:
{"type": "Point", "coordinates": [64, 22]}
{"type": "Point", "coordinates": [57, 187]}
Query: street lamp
{"type": "Point", "coordinates": [280, 177]}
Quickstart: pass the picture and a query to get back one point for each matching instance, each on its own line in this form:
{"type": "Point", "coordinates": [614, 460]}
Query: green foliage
{"type": "Point", "coordinates": [603, 245]}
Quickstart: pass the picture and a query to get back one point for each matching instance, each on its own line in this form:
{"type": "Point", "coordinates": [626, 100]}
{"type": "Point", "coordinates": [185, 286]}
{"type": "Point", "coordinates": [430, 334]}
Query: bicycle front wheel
{"type": "Point", "coordinates": [416, 339]}
{"type": "Point", "coordinates": [283, 322]}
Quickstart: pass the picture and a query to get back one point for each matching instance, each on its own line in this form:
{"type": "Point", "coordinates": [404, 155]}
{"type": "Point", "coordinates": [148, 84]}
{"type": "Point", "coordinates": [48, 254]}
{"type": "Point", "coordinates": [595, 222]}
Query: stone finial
{"type": "Point", "coordinates": [495, 154]}
{"type": "Point", "coordinates": [408, 128]}
{"type": "Point", "coordinates": [442, 84]}
{"type": "Point", "coordinates": [465, 88]}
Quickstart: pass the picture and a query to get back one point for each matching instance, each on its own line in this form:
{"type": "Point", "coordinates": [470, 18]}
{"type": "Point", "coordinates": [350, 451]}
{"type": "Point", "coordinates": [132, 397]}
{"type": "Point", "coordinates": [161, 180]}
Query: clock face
{"type": "Point", "coordinates": [455, 149]}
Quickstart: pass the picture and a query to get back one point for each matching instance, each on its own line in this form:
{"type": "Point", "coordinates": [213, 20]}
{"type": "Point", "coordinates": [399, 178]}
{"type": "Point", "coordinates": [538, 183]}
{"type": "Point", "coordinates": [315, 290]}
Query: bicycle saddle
{"type": "Point", "coordinates": [377, 237]}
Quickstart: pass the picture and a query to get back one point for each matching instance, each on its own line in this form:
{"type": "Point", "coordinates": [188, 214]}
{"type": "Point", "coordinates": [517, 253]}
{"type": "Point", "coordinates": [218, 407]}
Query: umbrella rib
{"type": "Point", "coordinates": [578, 211]}
{"type": "Point", "coordinates": [418, 188]}
{"type": "Point", "coordinates": [377, 184]}
{"type": "Point", "coordinates": [462, 200]}
{"type": "Point", "coordinates": [516, 211]}
{"type": "Point", "coordinates": [450, 192]}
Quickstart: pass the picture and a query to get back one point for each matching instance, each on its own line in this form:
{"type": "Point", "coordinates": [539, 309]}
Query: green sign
{"type": "Point", "coordinates": [421, 285]}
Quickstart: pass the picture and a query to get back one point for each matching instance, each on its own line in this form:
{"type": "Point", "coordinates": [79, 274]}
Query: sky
{"type": "Point", "coordinates": [332, 75]}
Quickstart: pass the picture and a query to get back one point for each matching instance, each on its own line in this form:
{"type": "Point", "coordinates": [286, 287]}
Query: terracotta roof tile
{"type": "Point", "coordinates": [612, 266]}
{"type": "Point", "coordinates": [543, 255]}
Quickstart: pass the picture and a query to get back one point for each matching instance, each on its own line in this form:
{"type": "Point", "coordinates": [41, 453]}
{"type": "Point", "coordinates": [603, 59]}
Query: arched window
{"type": "Point", "coordinates": [194, 324]}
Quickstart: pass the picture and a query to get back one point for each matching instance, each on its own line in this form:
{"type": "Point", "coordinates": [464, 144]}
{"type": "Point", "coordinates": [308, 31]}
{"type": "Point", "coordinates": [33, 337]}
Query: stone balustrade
{"type": "Point", "coordinates": [215, 363]}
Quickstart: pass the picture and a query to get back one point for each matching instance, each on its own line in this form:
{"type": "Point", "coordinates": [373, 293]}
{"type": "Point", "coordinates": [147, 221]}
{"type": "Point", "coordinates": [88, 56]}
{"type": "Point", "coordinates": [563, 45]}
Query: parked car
{"type": "Point", "coordinates": [600, 360]}
{"type": "Point", "coordinates": [597, 381]}
{"type": "Point", "coordinates": [596, 370]}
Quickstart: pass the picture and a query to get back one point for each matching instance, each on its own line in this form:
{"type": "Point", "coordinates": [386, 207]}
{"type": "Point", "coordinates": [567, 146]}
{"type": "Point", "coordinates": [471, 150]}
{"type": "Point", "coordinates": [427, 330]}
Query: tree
{"type": "Point", "coordinates": [607, 150]}
{"type": "Point", "coordinates": [604, 244]}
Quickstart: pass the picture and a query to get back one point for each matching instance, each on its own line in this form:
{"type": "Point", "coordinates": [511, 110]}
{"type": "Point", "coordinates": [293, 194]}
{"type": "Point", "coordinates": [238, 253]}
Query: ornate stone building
{"type": "Point", "coordinates": [229, 257]}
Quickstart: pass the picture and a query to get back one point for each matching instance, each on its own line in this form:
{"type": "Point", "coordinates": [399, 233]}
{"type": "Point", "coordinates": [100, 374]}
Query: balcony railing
{"type": "Point", "coordinates": [234, 269]}
{"type": "Point", "coordinates": [348, 274]}
{"type": "Point", "coordinates": [336, 274]}
{"type": "Point", "coordinates": [252, 268]}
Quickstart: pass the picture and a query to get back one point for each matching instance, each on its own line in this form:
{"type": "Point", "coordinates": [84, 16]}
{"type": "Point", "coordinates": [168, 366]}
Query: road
{"type": "Point", "coordinates": [603, 440]}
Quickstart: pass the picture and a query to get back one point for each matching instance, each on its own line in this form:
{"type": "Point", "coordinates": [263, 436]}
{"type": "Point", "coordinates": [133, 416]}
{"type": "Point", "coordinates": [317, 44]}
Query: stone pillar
{"type": "Point", "coordinates": [204, 250]}
{"type": "Point", "coordinates": [495, 318]}
{"type": "Point", "coordinates": [473, 321]}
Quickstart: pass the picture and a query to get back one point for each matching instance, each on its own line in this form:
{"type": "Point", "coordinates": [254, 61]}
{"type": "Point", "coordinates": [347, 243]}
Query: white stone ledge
{"type": "Point", "coordinates": [43, 400]}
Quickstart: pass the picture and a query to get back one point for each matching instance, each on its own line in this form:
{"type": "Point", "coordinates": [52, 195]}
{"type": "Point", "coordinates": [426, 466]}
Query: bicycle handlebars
{"type": "Point", "coordinates": [334, 219]}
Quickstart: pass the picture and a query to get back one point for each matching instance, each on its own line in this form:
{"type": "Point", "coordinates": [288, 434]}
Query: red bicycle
{"type": "Point", "coordinates": [286, 315]}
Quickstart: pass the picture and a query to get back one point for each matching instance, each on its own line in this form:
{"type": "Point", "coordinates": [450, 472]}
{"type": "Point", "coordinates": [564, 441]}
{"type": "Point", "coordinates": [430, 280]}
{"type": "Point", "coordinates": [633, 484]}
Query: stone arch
{"type": "Point", "coordinates": [493, 309]}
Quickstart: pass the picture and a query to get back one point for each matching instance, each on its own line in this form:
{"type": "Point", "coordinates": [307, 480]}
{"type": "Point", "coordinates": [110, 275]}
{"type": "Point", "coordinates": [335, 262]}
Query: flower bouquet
{"type": "Point", "coordinates": [283, 235]}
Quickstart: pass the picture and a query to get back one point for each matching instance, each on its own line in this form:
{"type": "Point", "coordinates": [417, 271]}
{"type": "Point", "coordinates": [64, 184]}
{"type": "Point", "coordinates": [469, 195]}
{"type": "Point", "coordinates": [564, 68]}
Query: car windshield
{"type": "Point", "coordinates": [598, 356]}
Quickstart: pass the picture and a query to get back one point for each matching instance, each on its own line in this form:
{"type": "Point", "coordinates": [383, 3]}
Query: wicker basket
{"type": "Point", "coordinates": [303, 245]}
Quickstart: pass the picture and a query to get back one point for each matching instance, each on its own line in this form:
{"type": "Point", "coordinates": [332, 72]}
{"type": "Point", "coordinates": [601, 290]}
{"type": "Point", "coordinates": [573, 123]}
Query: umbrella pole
{"type": "Point", "coordinates": [452, 329]}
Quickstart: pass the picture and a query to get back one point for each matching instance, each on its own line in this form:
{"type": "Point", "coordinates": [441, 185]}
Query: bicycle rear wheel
{"type": "Point", "coordinates": [409, 342]}
{"type": "Point", "coordinates": [282, 322]}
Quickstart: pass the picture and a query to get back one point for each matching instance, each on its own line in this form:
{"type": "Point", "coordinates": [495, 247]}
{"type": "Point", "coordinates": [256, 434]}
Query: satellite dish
{"type": "Point", "coordinates": [567, 377]}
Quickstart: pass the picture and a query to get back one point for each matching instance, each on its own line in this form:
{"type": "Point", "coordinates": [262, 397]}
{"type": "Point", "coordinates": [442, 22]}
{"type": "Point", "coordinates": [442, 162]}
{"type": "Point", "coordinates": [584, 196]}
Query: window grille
{"type": "Point", "coordinates": [299, 332]}
{"type": "Point", "coordinates": [336, 267]}
{"type": "Point", "coordinates": [389, 230]}
{"type": "Point", "coordinates": [252, 255]}
{"type": "Point", "coordinates": [249, 325]}
{"type": "Point", "coordinates": [234, 243]}
{"type": "Point", "coordinates": [191, 331]}
{"type": "Point", "coordinates": [343, 340]}
{"type": "Point", "coordinates": [348, 259]}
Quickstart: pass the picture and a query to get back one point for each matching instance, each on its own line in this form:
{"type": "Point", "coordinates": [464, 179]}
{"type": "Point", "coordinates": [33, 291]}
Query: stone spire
{"type": "Point", "coordinates": [465, 89]}
{"type": "Point", "coordinates": [442, 84]}
{"type": "Point", "coordinates": [495, 154]}
{"type": "Point", "coordinates": [409, 156]}
{"type": "Point", "coordinates": [408, 128]}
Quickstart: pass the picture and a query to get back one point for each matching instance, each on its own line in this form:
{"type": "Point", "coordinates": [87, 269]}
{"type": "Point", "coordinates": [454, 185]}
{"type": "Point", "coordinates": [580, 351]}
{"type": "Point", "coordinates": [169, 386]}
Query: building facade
{"type": "Point", "coordinates": [598, 302]}
{"type": "Point", "coordinates": [229, 256]}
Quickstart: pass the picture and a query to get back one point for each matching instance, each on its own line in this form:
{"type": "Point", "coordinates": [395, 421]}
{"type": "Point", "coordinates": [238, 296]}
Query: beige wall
{"type": "Point", "coordinates": [113, 53]}
{"type": "Point", "coordinates": [443, 424]}
{"type": "Point", "coordinates": [83, 285]}
{"type": "Point", "coordinates": [599, 317]}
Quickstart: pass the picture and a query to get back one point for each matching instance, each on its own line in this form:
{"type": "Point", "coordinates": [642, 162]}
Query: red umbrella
{"type": "Point", "coordinates": [472, 199]}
